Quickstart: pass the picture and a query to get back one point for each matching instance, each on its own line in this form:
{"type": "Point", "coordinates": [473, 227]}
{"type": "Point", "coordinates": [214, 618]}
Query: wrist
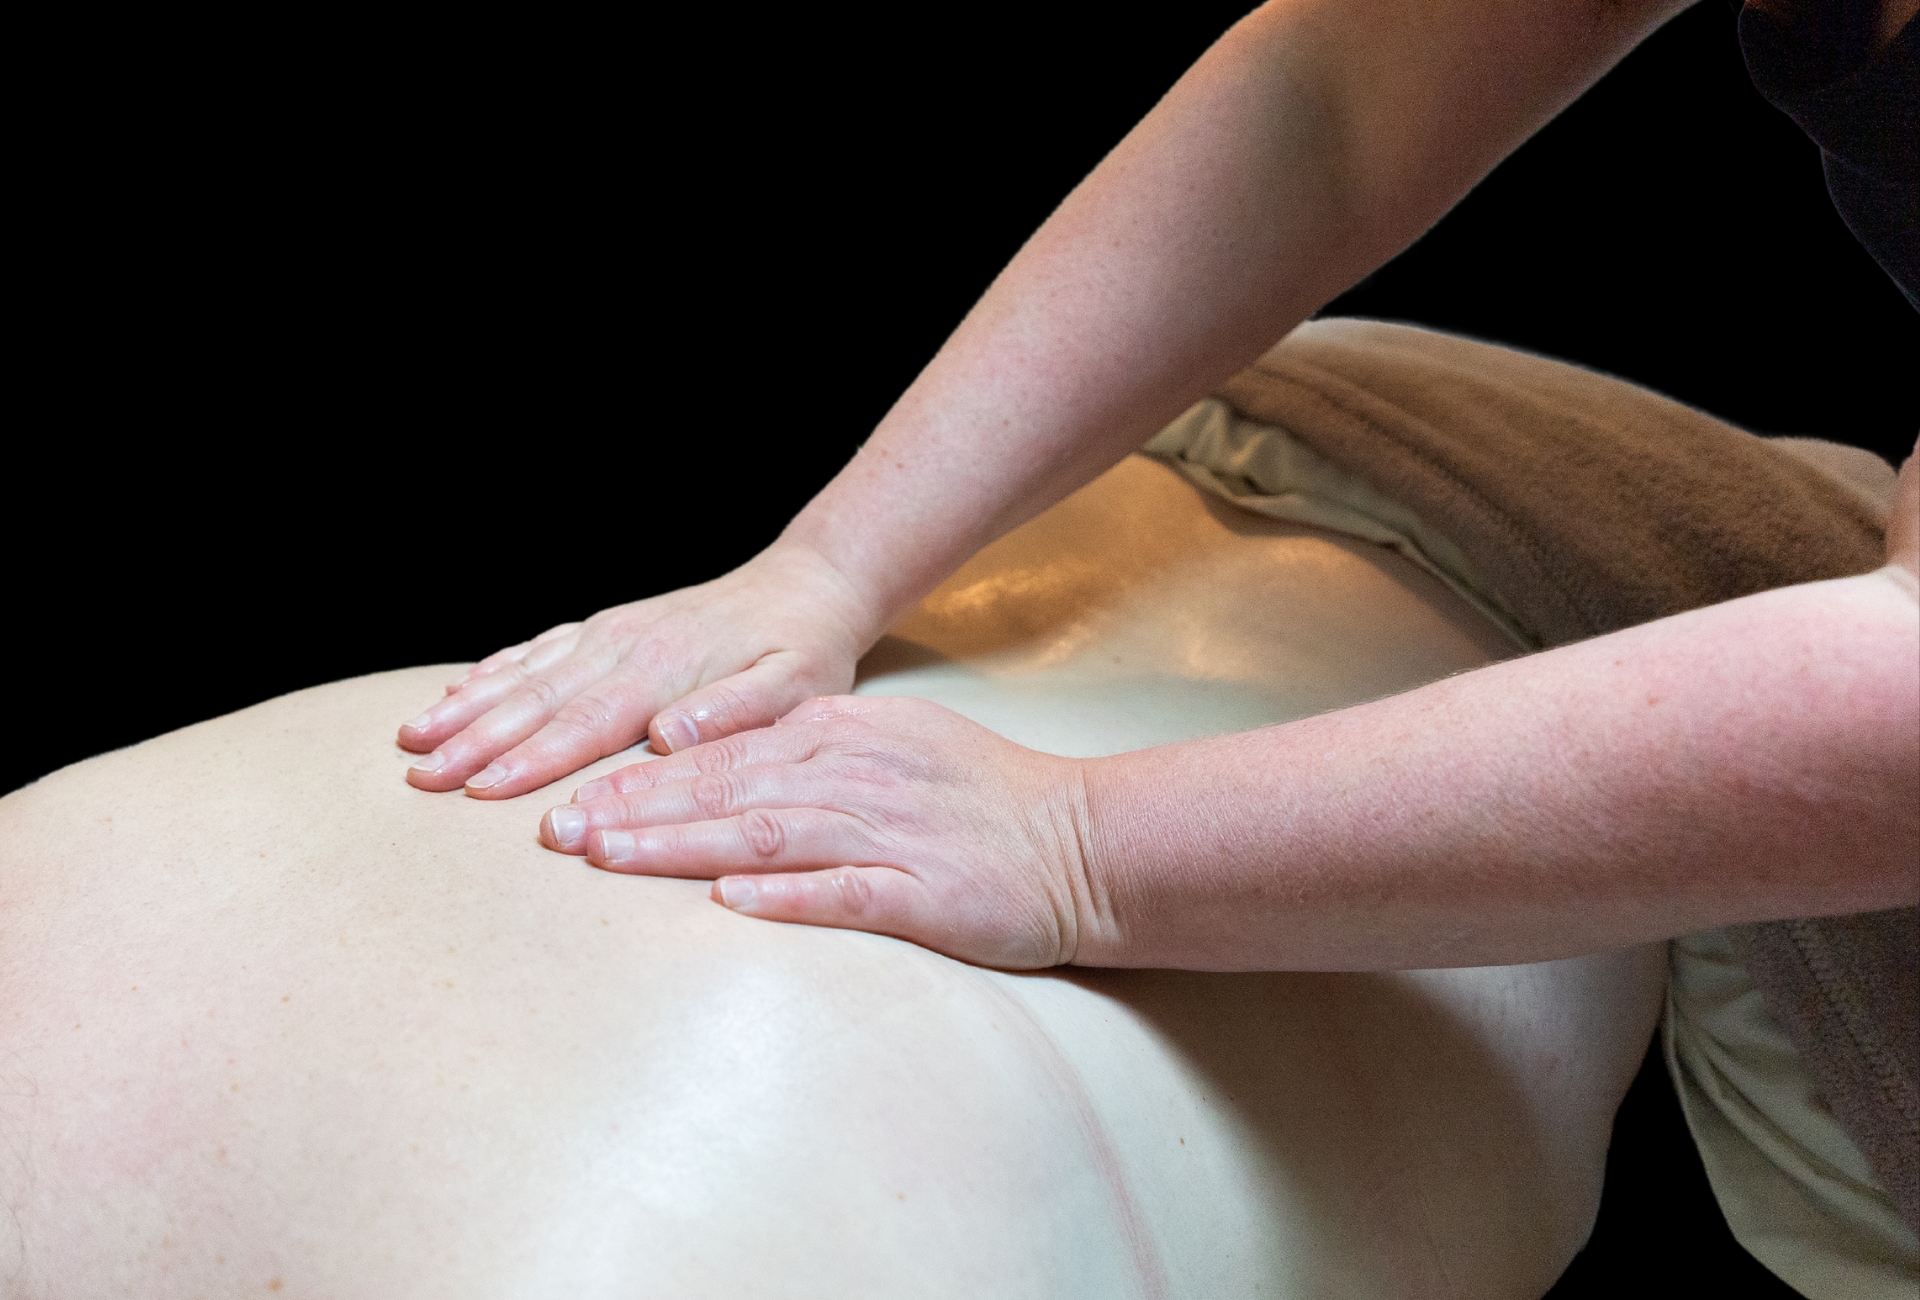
{"type": "Point", "coordinates": [1106, 893]}
{"type": "Point", "coordinates": [891, 537]}
{"type": "Point", "coordinates": [790, 565]}
{"type": "Point", "coordinates": [1166, 848]}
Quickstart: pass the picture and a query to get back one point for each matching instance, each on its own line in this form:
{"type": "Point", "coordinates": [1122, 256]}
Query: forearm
{"type": "Point", "coordinates": [1311, 143]}
{"type": "Point", "coordinates": [1751, 760]}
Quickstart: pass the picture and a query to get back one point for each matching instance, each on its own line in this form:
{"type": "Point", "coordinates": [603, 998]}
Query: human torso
{"type": "Point", "coordinates": [277, 1023]}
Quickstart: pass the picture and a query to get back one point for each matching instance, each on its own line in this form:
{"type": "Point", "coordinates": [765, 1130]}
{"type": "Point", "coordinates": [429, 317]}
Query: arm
{"type": "Point", "coordinates": [1747, 761]}
{"type": "Point", "coordinates": [1311, 143]}
{"type": "Point", "coordinates": [1314, 141]}
{"type": "Point", "coordinates": [1752, 760]}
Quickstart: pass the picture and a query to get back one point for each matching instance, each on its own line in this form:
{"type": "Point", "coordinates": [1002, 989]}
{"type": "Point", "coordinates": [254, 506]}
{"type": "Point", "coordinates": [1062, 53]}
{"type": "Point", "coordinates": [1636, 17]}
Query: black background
{"type": "Point", "coordinates": [363, 348]}
{"type": "Point", "coordinates": [370, 348]}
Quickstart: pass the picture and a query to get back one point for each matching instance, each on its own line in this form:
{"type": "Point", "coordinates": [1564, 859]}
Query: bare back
{"type": "Point", "coordinates": [259, 1039]}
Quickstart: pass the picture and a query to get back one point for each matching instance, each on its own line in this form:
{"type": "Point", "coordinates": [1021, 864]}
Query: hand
{"type": "Point", "coordinates": [690, 666]}
{"type": "Point", "coordinates": [890, 815]}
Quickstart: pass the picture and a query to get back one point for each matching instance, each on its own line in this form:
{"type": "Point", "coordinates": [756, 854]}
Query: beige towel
{"type": "Point", "coordinates": [1583, 505]}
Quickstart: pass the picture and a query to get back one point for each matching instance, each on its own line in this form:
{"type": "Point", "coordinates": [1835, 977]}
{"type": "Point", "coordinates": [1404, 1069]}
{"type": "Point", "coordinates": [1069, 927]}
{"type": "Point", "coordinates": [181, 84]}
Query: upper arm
{"type": "Point", "coordinates": [1415, 101]}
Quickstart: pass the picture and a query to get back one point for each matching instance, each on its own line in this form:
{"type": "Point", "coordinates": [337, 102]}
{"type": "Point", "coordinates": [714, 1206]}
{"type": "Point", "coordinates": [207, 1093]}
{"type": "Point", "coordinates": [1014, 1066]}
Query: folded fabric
{"type": "Point", "coordinates": [1572, 504]}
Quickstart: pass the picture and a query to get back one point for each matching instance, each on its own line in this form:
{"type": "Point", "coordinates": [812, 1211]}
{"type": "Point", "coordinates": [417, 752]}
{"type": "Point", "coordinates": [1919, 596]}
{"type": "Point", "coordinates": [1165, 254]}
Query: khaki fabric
{"type": "Point", "coordinates": [1567, 504]}
{"type": "Point", "coordinates": [1260, 468]}
{"type": "Point", "coordinates": [1796, 1190]}
{"type": "Point", "coordinates": [1586, 503]}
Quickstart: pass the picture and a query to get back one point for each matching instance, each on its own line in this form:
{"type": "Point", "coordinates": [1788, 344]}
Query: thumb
{"type": "Point", "coordinates": [752, 698]}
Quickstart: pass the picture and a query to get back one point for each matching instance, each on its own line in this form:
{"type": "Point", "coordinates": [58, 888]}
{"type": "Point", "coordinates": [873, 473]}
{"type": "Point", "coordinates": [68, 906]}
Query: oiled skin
{"type": "Point", "coordinates": [272, 1022]}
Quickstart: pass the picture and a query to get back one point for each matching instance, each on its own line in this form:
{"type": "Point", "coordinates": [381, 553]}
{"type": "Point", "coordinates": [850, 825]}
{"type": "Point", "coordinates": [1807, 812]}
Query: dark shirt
{"type": "Point", "coordinates": [1814, 60]}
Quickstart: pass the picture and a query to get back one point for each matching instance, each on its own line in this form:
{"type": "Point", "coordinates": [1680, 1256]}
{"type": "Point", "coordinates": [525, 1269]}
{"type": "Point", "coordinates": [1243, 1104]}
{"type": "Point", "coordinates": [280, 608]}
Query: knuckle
{"type": "Point", "coordinates": [764, 833]}
{"type": "Point", "coordinates": [642, 776]}
{"type": "Point", "coordinates": [540, 692]}
{"type": "Point", "coordinates": [727, 709]}
{"type": "Point", "coordinates": [489, 686]}
{"type": "Point", "coordinates": [567, 732]}
{"type": "Point", "coordinates": [715, 794]}
{"type": "Point", "coordinates": [588, 716]}
{"type": "Point", "coordinates": [720, 756]}
{"type": "Point", "coordinates": [852, 889]}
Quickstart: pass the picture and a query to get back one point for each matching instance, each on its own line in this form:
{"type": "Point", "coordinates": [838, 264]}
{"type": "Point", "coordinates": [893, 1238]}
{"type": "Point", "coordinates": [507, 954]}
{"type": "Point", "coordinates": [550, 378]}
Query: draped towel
{"type": "Point", "coordinates": [1581, 505]}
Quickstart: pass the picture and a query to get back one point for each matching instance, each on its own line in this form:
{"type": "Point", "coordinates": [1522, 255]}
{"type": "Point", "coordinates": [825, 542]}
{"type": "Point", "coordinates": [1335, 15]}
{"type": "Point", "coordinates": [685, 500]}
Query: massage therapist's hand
{"type": "Point", "coordinates": [890, 815]}
{"type": "Point", "coordinates": [690, 666]}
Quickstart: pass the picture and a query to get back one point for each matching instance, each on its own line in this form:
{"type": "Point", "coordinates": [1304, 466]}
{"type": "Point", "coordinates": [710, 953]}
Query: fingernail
{"type": "Point", "coordinates": [431, 763]}
{"type": "Point", "coordinates": [737, 892]}
{"type": "Point", "coordinates": [567, 825]}
{"type": "Point", "coordinates": [492, 774]}
{"type": "Point", "coordinates": [677, 731]}
{"type": "Point", "coordinates": [592, 790]}
{"type": "Point", "coordinates": [421, 723]}
{"type": "Point", "coordinates": [615, 846]}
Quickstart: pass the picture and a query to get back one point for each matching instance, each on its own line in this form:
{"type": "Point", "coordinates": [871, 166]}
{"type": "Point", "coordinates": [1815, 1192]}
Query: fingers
{"type": "Point", "coordinates": [514, 654]}
{"type": "Point", "coordinates": [749, 803]}
{"type": "Point", "coordinates": [764, 839]}
{"type": "Point", "coordinates": [530, 721]}
{"type": "Point", "coordinates": [598, 722]}
{"type": "Point", "coordinates": [877, 899]}
{"type": "Point", "coordinates": [458, 711]}
{"type": "Point", "coordinates": [613, 716]}
{"type": "Point", "coordinates": [745, 701]}
{"type": "Point", "coordinates": [493, 663]}
{"type": "Point", "coordinates": [747, 749]}
{"type": "Point", "coordinates": [531, 700]}
{"type": "Point", "coordinates": [474, 693]}
{"type": "Point", "coordinates": [708, 796]}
